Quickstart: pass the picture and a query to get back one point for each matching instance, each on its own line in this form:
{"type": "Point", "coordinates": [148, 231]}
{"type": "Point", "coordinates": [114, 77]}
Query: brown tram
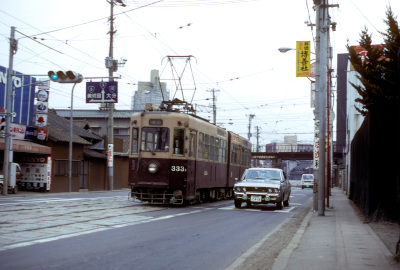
{"type": "Point", "coordinates": [177, 157]}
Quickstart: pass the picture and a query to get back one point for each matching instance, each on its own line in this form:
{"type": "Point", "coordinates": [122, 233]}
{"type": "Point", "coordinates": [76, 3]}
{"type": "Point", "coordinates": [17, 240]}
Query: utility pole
{"type": "Point", "coordinates": [110, 142]}
{"type": "Point", "coordinates": [251, 116]}
{"type": "Point", "coordinates": [112, 66]}
{"type": "Point", "coordinates": [214, 105]}
{"type": "Point", "coordinates": [257, 138]}
{"type": "Point", "coordinates": [8, 153]}
{"type": "Point", "coordinates": [257, 144]}
{"type": "Point", "coordinates": [321, 90]}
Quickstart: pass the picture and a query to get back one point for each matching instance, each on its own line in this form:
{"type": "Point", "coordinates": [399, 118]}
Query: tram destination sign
{"type": "Point", "coordinates": [102, 92]}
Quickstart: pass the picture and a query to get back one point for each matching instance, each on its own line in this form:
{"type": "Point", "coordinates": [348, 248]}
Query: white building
{"type": "Point", "coordinates": [354, 118]}
{"type": "Point", "coordinates": [153, 91]}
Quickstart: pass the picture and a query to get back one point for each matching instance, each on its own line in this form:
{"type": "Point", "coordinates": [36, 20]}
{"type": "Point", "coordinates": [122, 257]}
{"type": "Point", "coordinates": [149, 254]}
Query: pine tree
{"type": "Point", "coordinates": [379, 71]}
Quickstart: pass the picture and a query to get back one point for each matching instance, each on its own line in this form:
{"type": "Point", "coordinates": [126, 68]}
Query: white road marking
{"type": "Point", "coordinates": [284, 210]}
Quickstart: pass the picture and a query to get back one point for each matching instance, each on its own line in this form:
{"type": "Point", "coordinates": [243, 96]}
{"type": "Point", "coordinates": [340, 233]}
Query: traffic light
{"type": "Point", "coordinates": [65, 77]}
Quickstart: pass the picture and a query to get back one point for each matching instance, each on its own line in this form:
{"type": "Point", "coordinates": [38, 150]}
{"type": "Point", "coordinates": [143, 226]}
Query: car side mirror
{"type": "Point", "coordinates": [236, 179]}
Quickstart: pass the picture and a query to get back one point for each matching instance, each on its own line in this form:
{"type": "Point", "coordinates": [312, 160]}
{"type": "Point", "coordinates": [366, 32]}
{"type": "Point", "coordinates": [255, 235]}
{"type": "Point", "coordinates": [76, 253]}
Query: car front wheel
{"type": "Point", "coordinates": [286, 203]}
{"type": "Point", "coordinates": [279, 205]}
{"type": "Point", "coordinates": [238, 203]}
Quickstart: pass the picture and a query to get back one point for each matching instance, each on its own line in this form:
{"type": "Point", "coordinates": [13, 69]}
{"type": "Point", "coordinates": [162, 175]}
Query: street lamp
{"type": "Point", "coordinates": [285, 49]}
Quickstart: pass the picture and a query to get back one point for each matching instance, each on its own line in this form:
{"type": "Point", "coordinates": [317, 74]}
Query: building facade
{"type": "Point", "coordinates": [153, 92]}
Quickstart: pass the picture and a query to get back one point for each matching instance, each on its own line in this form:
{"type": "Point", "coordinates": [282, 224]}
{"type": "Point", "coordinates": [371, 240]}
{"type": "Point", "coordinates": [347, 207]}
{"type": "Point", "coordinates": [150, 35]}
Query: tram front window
{"type": "Point", "coordinates": [155, 139]}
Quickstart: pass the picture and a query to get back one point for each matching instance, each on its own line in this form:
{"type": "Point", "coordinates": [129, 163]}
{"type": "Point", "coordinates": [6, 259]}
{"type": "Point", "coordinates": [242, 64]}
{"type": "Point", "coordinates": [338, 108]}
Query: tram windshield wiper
{"type": "Point", "coordinates": [148, 148]}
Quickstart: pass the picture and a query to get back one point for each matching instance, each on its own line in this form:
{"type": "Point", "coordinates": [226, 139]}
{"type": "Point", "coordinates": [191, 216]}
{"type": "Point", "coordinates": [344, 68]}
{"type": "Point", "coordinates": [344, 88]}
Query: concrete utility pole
{"type": "Point", "coordinates": [251, 116]}
{"type": "Point", "coordinates": [257, 139]}
{"type": "Point", "coordinates": [321, 90]}
{"type": "Point", "coordinates": [110, 143]}
{"type": "Point", "coordinates": [214, 105]}
{"type": "Point", "coordinates": [112, 66]}
{"type": "Point", "coordinates": [8, 153]}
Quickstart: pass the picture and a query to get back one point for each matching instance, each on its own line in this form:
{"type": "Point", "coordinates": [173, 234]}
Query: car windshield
{"type": "Point", "coordinates": [308, 177]}
{"type": "Point", "coordinates": [262, 175]}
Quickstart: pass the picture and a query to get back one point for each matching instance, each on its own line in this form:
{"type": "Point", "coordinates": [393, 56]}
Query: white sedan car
{"type": "Point", "coordinates": [262, 186]}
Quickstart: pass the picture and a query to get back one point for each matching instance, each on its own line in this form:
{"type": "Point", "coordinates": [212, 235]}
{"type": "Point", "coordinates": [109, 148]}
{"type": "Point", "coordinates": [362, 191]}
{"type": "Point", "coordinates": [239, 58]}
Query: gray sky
{"type": "Point", "coordinates": [235, 44]}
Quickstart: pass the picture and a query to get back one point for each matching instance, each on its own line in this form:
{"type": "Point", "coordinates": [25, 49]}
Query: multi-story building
{"type": "Point", "coordinates": [153, 92]}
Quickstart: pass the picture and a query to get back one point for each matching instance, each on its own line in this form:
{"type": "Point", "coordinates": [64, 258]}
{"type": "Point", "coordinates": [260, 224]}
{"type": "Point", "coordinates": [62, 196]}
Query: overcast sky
{"type": "Point", "coordinates": [235, 44]}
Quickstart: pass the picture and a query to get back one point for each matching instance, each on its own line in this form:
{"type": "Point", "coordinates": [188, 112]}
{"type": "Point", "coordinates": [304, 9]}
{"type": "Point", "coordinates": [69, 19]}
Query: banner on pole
{"type": "Point", "coordinates": [303, 65]}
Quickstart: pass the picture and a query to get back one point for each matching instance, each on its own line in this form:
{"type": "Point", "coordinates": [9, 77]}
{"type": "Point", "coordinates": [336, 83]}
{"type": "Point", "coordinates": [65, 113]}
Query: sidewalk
{"type": "Point", "coordinates": [339, 240]}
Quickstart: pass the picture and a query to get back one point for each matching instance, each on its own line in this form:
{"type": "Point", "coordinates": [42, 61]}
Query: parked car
{"type": "Point", "coordinates": [262, 186]}
{"type": "Point", "coordinates": [307, 180]}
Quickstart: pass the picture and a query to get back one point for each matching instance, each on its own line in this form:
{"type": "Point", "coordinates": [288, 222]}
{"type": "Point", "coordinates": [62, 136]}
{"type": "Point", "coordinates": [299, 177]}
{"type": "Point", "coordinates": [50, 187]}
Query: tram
{"type": "Point", "coordinates": [179, 158]}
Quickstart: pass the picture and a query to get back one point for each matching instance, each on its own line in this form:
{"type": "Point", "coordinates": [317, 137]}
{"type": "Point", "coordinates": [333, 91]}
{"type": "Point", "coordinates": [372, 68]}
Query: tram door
{"type": "Point", "coordinates": [191, 167]}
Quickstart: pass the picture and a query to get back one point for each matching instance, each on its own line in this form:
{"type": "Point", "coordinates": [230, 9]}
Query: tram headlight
{"type": "Point", "coordinates": [153, 167]}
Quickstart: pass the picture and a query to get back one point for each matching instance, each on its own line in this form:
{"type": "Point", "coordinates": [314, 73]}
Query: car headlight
{"type": "Point", "coordinates": [240, 189]}
{"type": "Point", "coordinates": [276, 190]}
{"type": "Point", "coordinates": [153, 167]}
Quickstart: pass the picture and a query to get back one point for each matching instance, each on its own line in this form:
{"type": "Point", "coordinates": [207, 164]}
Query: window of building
{"type": "Point", "coordinates": [62, 167]}
{"type": "Point", "coordinates": [121, 131]}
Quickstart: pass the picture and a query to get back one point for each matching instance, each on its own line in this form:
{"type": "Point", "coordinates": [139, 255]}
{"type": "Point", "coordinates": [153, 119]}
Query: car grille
{"type": "Point", "coordinates": [258, 189]}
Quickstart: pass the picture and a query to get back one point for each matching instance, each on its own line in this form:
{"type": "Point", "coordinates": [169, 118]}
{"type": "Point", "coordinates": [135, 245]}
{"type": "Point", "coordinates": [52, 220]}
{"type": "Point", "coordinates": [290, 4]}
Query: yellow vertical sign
{"type": "Point", "coordinates": [303, 66]}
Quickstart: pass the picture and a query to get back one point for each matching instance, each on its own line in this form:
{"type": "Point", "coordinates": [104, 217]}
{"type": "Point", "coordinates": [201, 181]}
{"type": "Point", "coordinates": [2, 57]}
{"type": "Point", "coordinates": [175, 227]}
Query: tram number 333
{"type": "Point", "coordinates": [178, 169]}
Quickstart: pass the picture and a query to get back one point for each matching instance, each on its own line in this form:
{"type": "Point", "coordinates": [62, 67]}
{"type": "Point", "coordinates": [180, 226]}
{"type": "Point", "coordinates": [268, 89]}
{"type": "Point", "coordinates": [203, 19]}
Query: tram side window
{"type": "Point", "coordinates": [234, 154]}
{"type": "Point", "coordinates": [192, 145]}
{"type": "Point", "coordinates": [216, 150]}
{"type": "Point", "coordinates": [212, 148]}
{"type": "Point", "coordinates": [155, 139]}
{"type": "Point", "coordinates": [248, 157]}
{"type": "Point", "coordinates": [201, 145]}
{"type": "Point", "coordinates": [222, 151]}
{"type": "Point", "coordinates": [179, 141]}
{"type": "Point", "coordinates": [135, 141]}
{"type": "Point", "coordinates": [240, 155]}
{"type": "Point", "coordinates": [206, 147]}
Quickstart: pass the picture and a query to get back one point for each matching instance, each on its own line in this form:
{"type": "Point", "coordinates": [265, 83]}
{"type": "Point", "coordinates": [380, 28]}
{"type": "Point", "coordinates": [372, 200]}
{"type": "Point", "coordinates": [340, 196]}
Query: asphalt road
{"type": "Point", "coordinates": [106, 231]}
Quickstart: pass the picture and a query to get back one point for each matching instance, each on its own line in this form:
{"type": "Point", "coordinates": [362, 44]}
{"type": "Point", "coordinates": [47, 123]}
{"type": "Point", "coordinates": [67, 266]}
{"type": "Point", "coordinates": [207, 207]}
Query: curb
{"type": "Point", "coordinates": [283, 257]}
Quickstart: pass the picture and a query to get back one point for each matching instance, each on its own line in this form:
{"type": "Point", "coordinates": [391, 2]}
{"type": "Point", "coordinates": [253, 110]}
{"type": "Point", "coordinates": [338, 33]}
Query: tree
{"type": "Point", "coordinates": [379, 71]}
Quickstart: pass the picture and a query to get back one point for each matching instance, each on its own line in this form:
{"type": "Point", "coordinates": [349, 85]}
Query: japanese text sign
{"type": "Point", "coordinates": [303, 66]}
{"type": "Point", "coordinates": [101, 92]}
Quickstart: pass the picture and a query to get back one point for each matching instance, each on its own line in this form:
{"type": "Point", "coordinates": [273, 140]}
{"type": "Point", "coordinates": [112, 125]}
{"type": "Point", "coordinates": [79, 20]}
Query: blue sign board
{"type": "Point", "coordinates": [101, 92]}
{"type": "Point", "coordinates": [24, 96]}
